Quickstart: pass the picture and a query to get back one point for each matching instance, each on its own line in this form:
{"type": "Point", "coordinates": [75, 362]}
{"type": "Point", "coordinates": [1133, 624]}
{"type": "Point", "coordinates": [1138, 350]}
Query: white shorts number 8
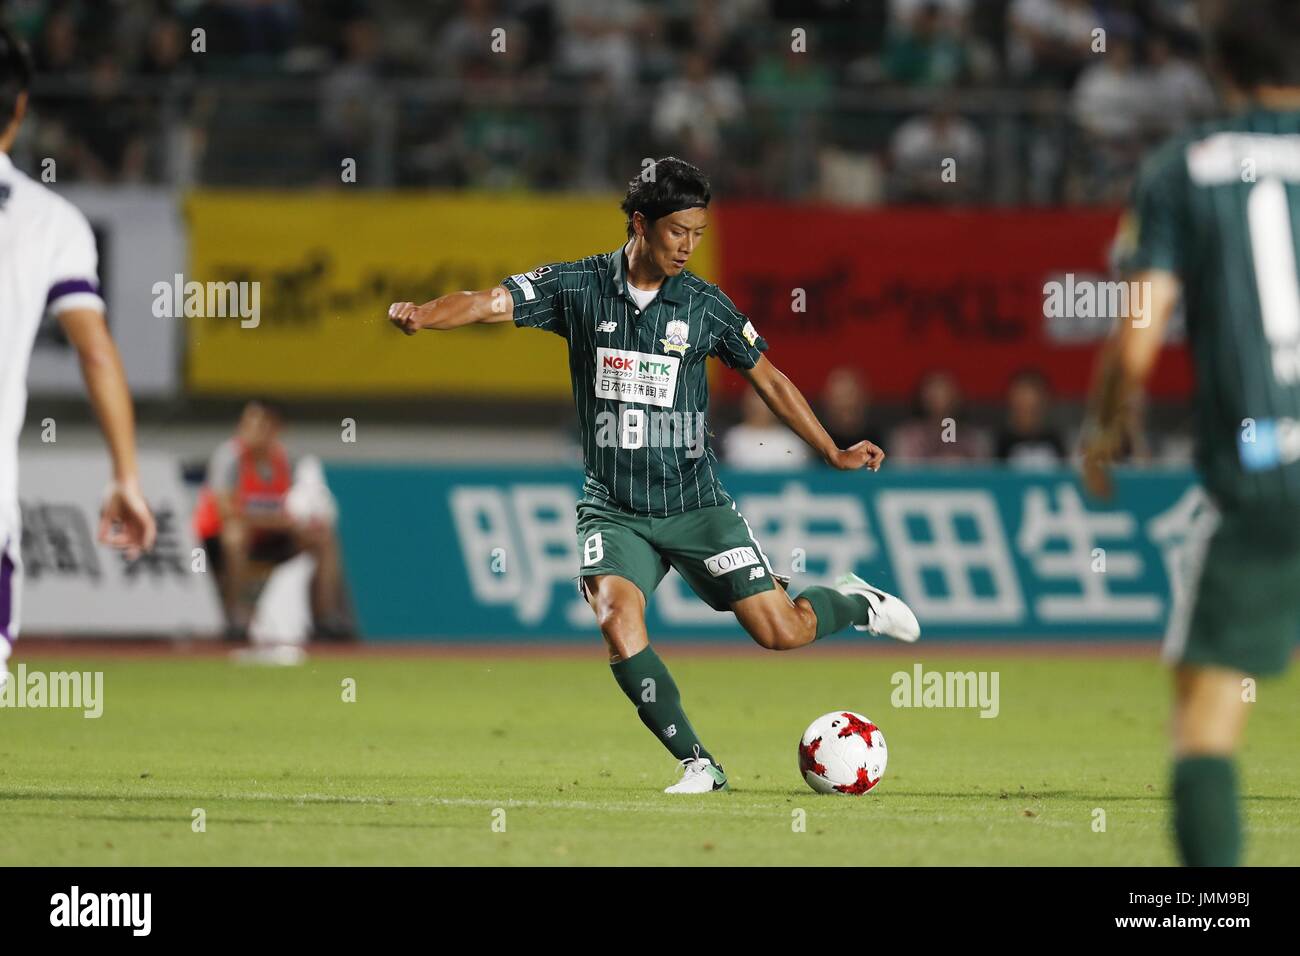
{"type": "Point", "coordinates": [593, 550]}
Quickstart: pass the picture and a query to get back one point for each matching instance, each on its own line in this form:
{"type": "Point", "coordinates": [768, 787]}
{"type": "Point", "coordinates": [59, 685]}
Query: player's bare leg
{"type": "Point", "coordinates": [779, 623]}
{"type": "Point", "coordinates": [1208, 723]}
{"type": "Point", "coordinates": [619, 606]}
{"type": "Point", "coordinates": [775, 621]}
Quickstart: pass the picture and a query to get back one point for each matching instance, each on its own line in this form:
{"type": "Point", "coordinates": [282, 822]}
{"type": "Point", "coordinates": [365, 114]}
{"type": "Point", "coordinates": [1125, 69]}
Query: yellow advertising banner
{"type": "Point", "coordinates": [326, 266]}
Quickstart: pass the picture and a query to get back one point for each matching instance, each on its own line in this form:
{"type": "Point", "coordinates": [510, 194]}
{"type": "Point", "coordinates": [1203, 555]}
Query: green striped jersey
{"type": "Point", "coordinates": [1220, 207]}
{"type": "Point", "coordinates": [640, 383]}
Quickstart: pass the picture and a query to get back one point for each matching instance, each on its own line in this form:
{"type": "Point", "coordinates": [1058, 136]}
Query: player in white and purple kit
{"type": "Point", "coordinates": [48, 265]}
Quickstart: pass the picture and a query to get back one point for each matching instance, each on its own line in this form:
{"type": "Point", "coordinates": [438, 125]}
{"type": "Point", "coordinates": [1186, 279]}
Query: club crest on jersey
{"type": "Point", "coordinates": [678, 332]}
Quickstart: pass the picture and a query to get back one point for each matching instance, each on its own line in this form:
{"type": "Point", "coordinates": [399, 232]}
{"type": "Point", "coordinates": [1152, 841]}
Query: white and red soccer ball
{"type": "Point", "coordinates": [842, 752]}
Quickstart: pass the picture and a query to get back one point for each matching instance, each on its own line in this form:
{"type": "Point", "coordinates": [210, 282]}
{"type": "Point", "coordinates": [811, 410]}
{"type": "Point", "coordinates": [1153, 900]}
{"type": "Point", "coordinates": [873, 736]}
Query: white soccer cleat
{"type": "Point", "coordinates": [699, 775]}
{"type": "Point", "coordinates": [889, 615]}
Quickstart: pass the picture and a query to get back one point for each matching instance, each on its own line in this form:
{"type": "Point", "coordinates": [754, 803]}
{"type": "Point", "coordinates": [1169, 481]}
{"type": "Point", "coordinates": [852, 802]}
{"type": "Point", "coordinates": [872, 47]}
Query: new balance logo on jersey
{"type": "Point", "coordinates": [726, 561]}
{"type": "Point", "coordinates": [606, 326]}
{"type": "Point", "coordinates": [756, 573]}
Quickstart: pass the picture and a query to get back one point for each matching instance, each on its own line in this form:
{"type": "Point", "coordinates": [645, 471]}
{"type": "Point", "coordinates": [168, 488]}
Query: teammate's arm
{"type": "Point", "coordinates": [454, 310]}
{"type": "Point", "coordinates": [789, 405]}
{"type": "Point", "coordinates": [125, 521]}
{"type": "Point", "coordinates": [1123, 367]}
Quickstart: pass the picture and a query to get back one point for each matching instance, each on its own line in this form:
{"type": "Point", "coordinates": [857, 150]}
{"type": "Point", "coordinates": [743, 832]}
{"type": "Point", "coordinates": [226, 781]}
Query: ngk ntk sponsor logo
{"type": "Point", "coordinates": [636, 377]}
{"type": "Point", "coordinates": [719, 564]}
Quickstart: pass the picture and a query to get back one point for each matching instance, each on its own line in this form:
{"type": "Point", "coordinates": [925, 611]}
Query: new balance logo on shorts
{"type": "Point", "coordinates": [725, 561]}
{"type": "Point", "coordinates": [670, 730]}
{"type": "Point", "coordinates": [756, 573]}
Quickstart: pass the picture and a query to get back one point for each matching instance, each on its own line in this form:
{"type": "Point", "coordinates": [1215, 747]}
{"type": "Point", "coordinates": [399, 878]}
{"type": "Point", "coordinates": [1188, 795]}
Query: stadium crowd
{"type": "Point", "coordinates": [1040, 101]}
{"type": "Point", "coordinates": [1029, 429]}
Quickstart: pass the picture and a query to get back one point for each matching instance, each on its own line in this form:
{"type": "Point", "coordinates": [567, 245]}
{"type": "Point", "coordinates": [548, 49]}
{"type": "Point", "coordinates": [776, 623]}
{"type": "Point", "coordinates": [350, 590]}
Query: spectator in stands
{"type": "Point", "coordinates": [925, 50]}
{"type": "Point", "coordinates": [1179, 92]}
{"type": "Point", "coordinates": [597, 42]}
{"type": "Point", "coordinates": [1028, 439]}
{"type": "Point", "coordinates": [468, 36]}
{"type": "Point", "coordinates": [936, 432]}
{"type": "Point", "coordinates": [354, 103]}
{"type": "Point", "coordinates": [845, 408]}
{"type": "Point", "coordinates": [794, 90]}
{"type": "Point", "coordinates": [905, 11]}
{"type": "Point", "coordinates": [106, 130]}
{"type": "Point", "coordinates": [760, 442]}
{"type": "Point", "coordinates": [57, 48]}
{"type": "Point", "coordinates": [247, 522]}
{"type": "Point", "coordinates": [1050, 40]}
{"type": "Point", "coordinates": [1110, 104]}
{"type": "Point", "coordinates": [164, 48]}
{"type": "Point", "coordinates": [502, 143]}
{"type": "Point", "coordinates": [919, 150]}
{"type": "Point", "coordinates": [693, 111]}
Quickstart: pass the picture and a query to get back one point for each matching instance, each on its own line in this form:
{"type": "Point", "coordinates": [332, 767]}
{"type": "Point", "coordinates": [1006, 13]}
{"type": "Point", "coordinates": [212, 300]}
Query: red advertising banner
{"type": "Point", "coordinates": [900, 292]}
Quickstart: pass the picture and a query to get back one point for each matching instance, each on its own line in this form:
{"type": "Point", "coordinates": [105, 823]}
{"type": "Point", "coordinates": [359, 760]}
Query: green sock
{"type": "Point", "coordinates": [835, 611]}
{"type": "Point", "coordinates": [651, 689]}
{"type": "Point", "coordinates": [1206, 822]}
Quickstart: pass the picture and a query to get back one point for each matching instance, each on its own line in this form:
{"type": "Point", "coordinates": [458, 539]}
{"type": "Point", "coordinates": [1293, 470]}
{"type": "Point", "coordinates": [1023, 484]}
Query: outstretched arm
{"type": "Point", "coordinates": [788, 404]}
{"type": "Point", "coordinates": [453, 310]}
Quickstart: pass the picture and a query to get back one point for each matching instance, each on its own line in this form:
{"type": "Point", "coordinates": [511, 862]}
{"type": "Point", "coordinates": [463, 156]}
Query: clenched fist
{"type": "Point", "coordinates": [406, 316]}
{"type": "Point", "coordinates": [863, 454]}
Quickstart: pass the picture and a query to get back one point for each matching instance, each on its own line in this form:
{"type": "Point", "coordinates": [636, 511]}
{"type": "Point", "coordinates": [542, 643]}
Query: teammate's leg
{"type": "Point", "coordinates": [1234, 616]}
{"type": "Point", "coordinates": [1208, 723]}
{"type": "Point", "coordinates": [619, 606]}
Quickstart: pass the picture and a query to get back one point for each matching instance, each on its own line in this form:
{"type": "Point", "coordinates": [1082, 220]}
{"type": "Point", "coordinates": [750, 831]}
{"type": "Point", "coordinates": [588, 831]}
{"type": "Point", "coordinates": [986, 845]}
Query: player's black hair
{"type": "Point", "coordinates": [1257, 43]}
{"type": "Point", "coordinates": [15, 74]}
{"type": "Point", "coordinates": [669, 186]}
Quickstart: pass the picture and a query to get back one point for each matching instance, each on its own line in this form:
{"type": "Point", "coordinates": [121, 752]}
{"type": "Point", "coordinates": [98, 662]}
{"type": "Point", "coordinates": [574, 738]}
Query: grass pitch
{"type": "Point", "coordinates": [418, 768]}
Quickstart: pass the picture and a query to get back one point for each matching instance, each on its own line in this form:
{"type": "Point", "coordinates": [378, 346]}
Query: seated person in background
{"type": "Point", "coordinates": [243, 521]}
{"type": "Point", "coordinates": [844, 407]}
{"type": "Point", "coordinates": [1028, 439]}
{"type": "Point", "coordinates": [760, 442]}
{"type": "Point", "coordinates": [936, 432]}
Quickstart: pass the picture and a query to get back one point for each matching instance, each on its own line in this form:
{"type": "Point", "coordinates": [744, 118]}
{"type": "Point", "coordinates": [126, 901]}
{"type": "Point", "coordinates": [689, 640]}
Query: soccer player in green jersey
{"type": "Point", "coordinates": [639, 328]}
{"type": "Point", "coordinates": [1214, 221]}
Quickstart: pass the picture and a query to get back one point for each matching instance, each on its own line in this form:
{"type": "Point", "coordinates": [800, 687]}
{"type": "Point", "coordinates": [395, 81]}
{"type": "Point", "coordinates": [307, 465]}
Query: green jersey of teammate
{"type": "Point", "coordinates": [1216, 208]}
{"type": "Point", "coordinates": [640, 380]}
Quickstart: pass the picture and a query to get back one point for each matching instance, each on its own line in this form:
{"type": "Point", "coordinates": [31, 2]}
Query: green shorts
{"type": "Point", "coordinates": [712, 548]}
{"type": "Point", "coordinates": [1240, 606]}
